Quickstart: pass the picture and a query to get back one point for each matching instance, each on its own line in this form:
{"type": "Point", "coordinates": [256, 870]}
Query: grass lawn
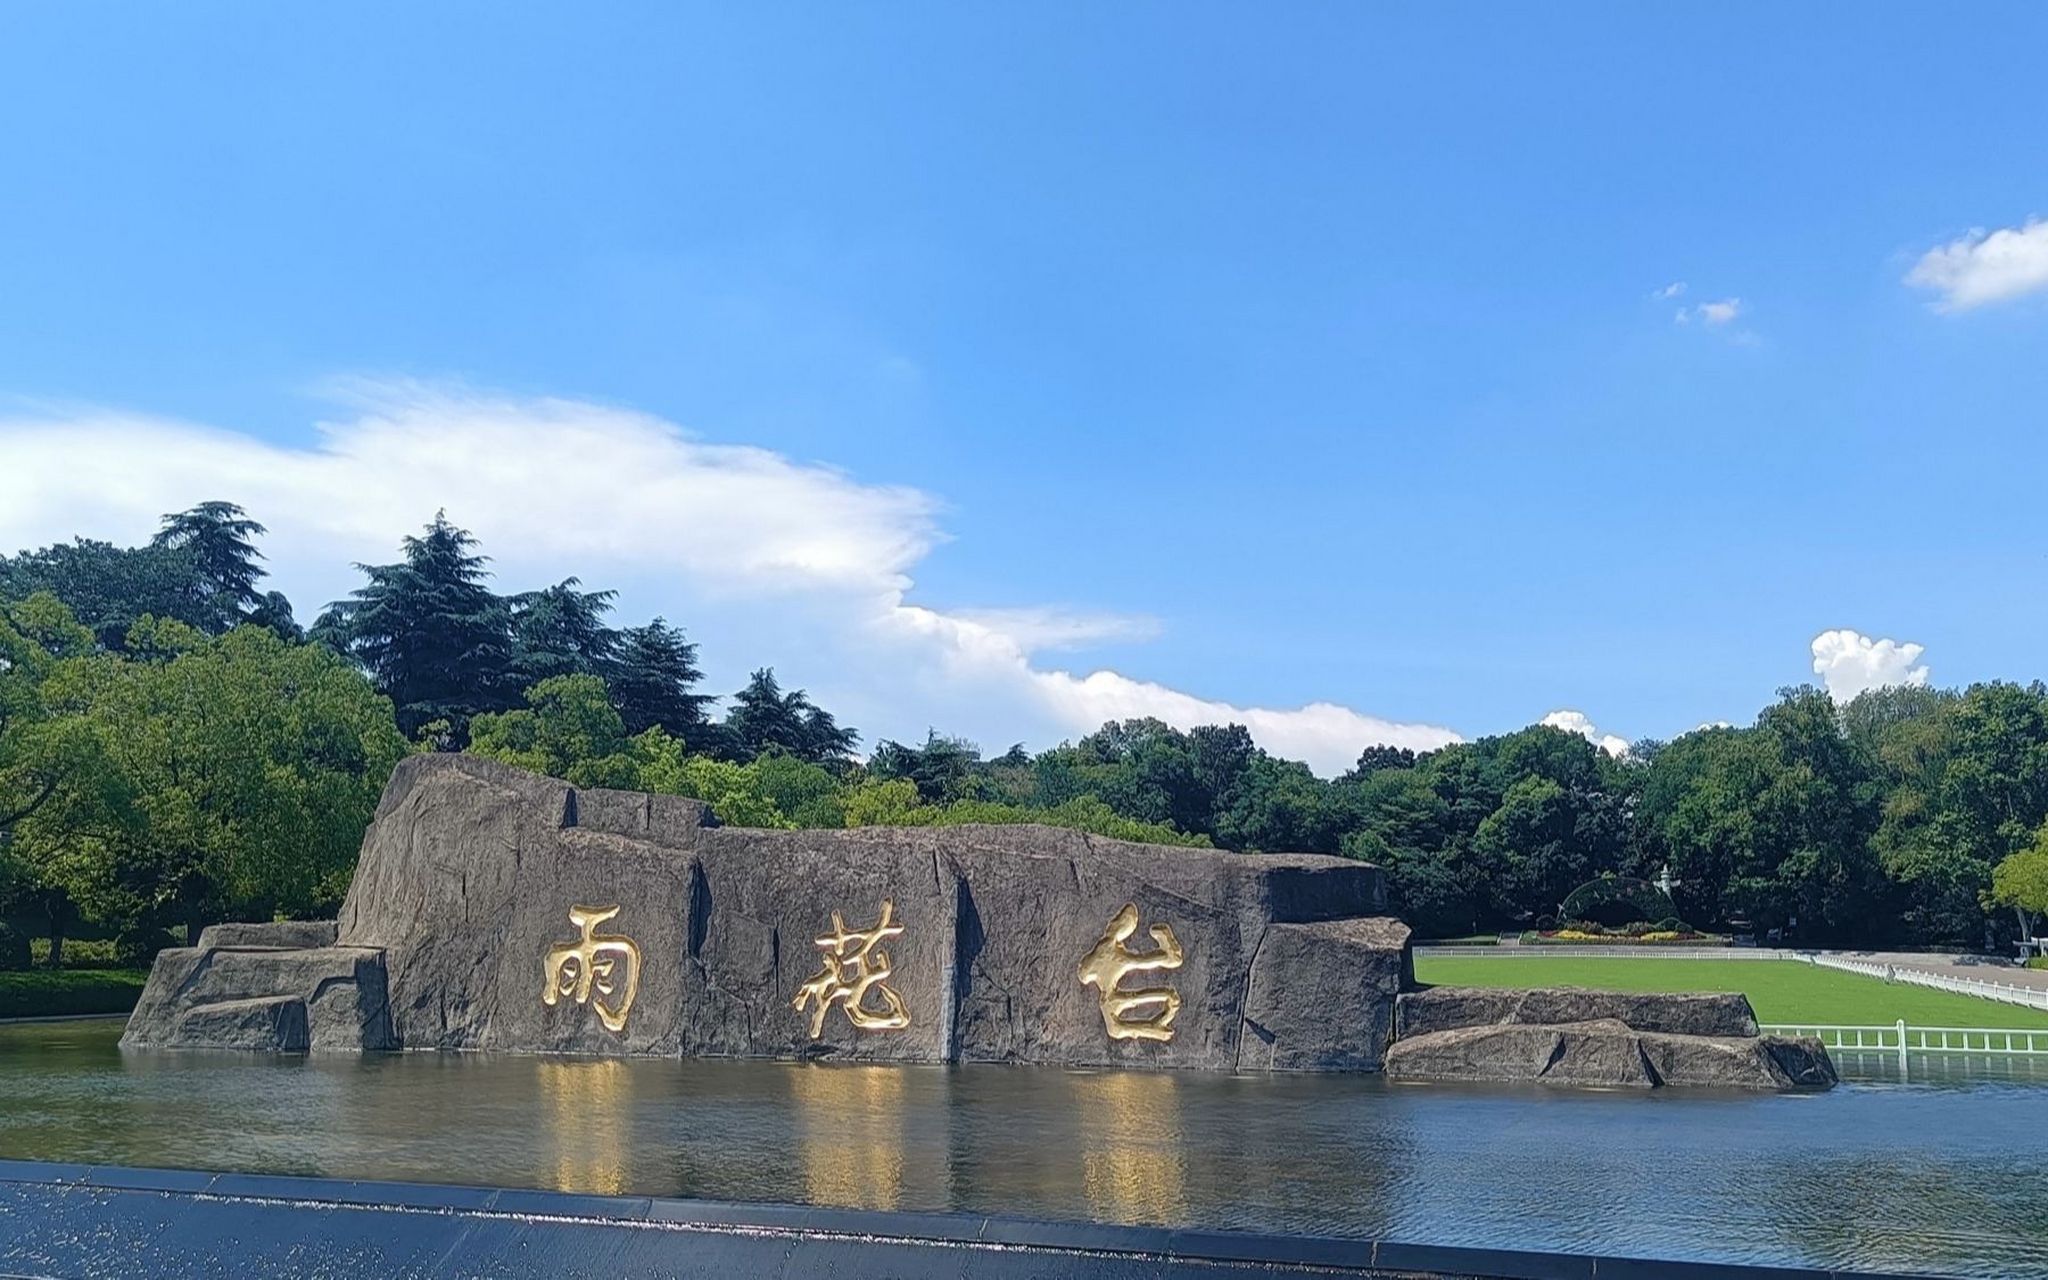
{"type": "Point", "coordinates": [1779, 990]}
{"type": "Point", "coordinates": [42, 993]}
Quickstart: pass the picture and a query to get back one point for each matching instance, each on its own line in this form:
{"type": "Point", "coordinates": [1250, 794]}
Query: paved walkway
{"type": "Point", "coordinates": [1954, 966]}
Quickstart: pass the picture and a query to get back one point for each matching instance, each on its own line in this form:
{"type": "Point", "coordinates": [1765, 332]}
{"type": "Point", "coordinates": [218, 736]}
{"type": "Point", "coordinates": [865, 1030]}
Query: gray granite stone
{"type": "Point", "coordinates": [1687, 1013]}
{"type": "Point", "coordinates": [202, 997]}
{"type": "Point", "coordinates": [280, 935]}
{"type": "Point", "coordinates": [470, 871]}
{"type": "Point", "coordinates": [1605, 1053]}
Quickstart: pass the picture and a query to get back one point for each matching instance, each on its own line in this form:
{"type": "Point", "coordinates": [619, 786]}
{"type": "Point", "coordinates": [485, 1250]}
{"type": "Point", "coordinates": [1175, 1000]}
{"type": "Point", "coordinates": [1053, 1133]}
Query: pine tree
{"type": "Point", "coordinates": [764, 719]}
{"type": "Point", "coordinates": [220, 539]}
{"type": "Point", "coordinates": [651, 673]}
{"type": "Point", "coordinates": [433, 637]}
{"type": "Point", "coordinates": [560, 631]}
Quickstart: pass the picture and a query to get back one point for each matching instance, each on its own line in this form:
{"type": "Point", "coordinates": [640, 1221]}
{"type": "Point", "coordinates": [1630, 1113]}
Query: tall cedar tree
{"type": "Point", "coordinates": [560, 631]}
{"type": "Point", "coordinates": [764, 720]}
{"type": "Point", "coordinates": [221, 541]}
{"type": "Point", "coordinates": [651, 672]}
{"type": "Point", "coordinates": [432, 636]}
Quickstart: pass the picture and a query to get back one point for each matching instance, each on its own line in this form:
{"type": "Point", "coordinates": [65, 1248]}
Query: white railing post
{"type": "Point", "coordinates": [1902, 1050]}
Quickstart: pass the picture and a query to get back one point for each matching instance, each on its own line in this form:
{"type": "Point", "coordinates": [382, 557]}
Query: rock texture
{"type": "Point", "coordinates": [1599, 1039]}
{"type": "Point", "coordinates": [1607, 1053]}
{"type": "Point", "coordinates": [1685, 1014]}
{"type": "Point", "coordinates": [470, 870]}
{"type": "Point", "coordinates": [213, 996]}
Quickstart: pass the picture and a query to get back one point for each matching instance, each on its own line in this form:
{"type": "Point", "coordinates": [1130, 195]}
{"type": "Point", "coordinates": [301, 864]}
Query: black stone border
{"type": "Point", "coordinates": [84, 1218]}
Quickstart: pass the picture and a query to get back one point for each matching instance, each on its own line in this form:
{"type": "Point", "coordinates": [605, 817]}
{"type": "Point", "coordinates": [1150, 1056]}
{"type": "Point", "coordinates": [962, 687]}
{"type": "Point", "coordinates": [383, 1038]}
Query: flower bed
{"type": "Point", "coordinates": [1604, 938]}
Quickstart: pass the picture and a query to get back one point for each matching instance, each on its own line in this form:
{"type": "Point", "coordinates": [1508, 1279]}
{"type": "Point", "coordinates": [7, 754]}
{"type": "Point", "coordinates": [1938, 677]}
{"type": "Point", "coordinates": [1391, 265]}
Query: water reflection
{"type": "Point", "coordinates": [1914, 1177]}
{"type": "Point", "coordinates": [587, 1105]}
{"type": "Point", "coordinates": [1132, 1147]}
{"type": "Point", "coordinates": [850, 1133]}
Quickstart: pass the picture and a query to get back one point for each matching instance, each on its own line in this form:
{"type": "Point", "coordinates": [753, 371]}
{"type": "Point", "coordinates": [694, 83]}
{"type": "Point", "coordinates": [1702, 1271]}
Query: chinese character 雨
{"type": "Point", "coordinates": [1106, 964]}
{"type": "Point", "coordinates": [855, 966]}
{"type": "Point", "coordinates": [592, 964]}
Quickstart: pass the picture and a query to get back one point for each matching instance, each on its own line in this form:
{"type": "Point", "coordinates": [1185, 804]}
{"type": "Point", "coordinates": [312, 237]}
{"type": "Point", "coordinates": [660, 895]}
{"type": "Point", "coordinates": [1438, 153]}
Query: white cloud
{"type": "Point", "coordinates": [764, 559]}
{"type": "Point", "coordinates": [1985, 266]}
{"type": "Point", "coordinates": [1711, 313]}
{"type": "Point", "coordinates": [1849, 662]}
{"type": "Point", "coordinates": [1673, 290]}
{"type": "Point", "coordinates": [1578, 722]}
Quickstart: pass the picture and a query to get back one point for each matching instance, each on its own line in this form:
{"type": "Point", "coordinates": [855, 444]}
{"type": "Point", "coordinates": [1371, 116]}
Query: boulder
{"type": "Point", "coordinates": [273, 1024]}
{"type": "Point", "coordinates": [1321, 995]}
{"type": "Point", "coordinates": [263, 998]}
{"type": "Point", "coordinates": [1606, 1053]}
{"type": "Point", "coordinates": [1685, 1014]}
{"type": "Point", "coordinates": [514, 912]}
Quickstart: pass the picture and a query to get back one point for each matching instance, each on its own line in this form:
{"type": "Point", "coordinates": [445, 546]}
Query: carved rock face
{"type": "Point", "coordinates": [469, 873]}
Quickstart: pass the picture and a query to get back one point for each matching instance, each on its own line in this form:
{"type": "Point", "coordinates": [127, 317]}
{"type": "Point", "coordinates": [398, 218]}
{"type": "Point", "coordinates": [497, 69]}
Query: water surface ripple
{"type": "Point", "coordinates": [1941, 1176]}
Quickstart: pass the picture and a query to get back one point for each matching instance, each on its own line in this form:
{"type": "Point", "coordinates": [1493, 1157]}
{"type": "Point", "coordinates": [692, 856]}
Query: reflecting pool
{"type": "Point", "coordinates": [1939, 1175]}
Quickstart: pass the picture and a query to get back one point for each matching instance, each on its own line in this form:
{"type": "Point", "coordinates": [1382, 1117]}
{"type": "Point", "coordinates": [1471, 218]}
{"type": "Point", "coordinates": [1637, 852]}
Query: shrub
{"type": "Point", "coordinates": [137, 946]}
{"type": "Point", "coordinates": [42, 993]}
{"type": "Point", "coordinates": [14, 947]}
{"type": "Point", "coordinates": [79, 953]}
{"type": "Point", "coordinates": [2037, 962]}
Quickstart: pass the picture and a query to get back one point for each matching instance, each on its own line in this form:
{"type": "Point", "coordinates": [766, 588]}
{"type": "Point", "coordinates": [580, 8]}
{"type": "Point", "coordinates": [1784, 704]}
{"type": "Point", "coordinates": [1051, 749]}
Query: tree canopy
{"type": "Point", "coordinates": [174, 750]}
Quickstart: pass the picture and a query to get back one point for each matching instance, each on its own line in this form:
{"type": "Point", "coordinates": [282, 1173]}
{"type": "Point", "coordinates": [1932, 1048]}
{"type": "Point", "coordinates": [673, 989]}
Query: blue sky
{"type": "Point", "coordinates": [1235, 360]}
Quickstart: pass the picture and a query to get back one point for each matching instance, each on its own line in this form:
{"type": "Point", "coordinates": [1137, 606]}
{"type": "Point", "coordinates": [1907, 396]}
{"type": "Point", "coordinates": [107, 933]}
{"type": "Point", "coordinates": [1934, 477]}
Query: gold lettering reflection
{"type": "Point", "coordinates": [850, 1130]}
{"type": "Point", "coordinates": [600, 970]}
{"type": "Point", "coordinates": [855, 966]}
{"type": "Point", "coordinates": [588, 1104]}
{"type": "Point", "coordinates": [1132, 1166]}
{"type": "Point", "coordinates": [1110, 960]}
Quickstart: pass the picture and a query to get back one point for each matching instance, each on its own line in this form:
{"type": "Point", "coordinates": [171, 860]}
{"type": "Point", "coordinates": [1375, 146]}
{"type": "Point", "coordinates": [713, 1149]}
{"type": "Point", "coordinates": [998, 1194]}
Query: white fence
{"type": "Point", "coordinates": [1901, 1041]}
{"type": "Point", "coordinates": [1652, 951]}
{"type": "Point", "coordinates": [2008, 992]}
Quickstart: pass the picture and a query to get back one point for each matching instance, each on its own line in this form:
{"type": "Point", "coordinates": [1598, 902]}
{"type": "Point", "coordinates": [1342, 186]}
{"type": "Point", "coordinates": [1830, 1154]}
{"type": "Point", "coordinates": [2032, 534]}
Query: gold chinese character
{"type": "Point", "coordinates": [1105, 966]}
{"type": "Point", "coordinates": [593, 962]}
{"type": "Point", "coordinates": [855, 964]}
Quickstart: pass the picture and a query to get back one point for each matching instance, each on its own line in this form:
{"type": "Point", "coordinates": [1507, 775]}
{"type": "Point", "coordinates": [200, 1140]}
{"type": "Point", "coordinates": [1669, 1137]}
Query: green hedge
{"type": "Point", "coordinates": [41, 993]}
{"type": "Point", "coordinates": [79, 953]}
{"type": "Point", "coordinates": [2037, 962]}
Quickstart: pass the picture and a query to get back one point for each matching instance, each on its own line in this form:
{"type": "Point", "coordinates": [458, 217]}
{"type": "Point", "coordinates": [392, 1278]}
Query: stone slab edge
{"type": "Point", "coordinates": [1007, 1246]}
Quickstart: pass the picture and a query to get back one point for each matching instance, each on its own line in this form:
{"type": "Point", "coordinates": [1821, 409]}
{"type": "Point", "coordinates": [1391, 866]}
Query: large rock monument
{"type": "Point", "coordinates": [494, 909]}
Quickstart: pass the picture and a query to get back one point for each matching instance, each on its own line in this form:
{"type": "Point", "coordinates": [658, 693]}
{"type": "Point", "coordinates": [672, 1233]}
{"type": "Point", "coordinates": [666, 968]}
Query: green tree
{"type": "Point", "coordinates": [2020, 881]}
{"type": "Point", "coordinates": [807, 794]}
{"type": "Point", "coordinates": [107, 588]}
{"type": "Point", "coordinates": [433, 638]}
{"type": "Point", "coordinates": [255, 766]}
{"type": "Point", "coordinates": [220, 540]}
{"type": "Point", "coordinates": [560, 631]}
{"type": "Point", "coordinates": [1771, 825]}
{"type": "Point", "coordinates": [568, 729]}
{"type": "Point", "coordinates": [765, 719]}
{"type": "Point", "coordinates": [942, 769]}
{"type": "Point", "coordinates": [63, 804]}
{"type": "Point", "coordinates": [653, 676]}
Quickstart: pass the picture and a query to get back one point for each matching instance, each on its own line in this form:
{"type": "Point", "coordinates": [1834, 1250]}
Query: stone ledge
{"type": "Point", "coordinates": [1671, 1013]}
{"type": "Point", "coordinates": [1606, 1053]}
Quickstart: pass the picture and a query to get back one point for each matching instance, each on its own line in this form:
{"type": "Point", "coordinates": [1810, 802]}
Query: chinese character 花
{"type": "Point", "coordinates": [855, 966]}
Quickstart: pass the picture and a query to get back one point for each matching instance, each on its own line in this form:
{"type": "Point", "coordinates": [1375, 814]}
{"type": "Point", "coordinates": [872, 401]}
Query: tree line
{"type": "Point", "coordinates": [175, 748]}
